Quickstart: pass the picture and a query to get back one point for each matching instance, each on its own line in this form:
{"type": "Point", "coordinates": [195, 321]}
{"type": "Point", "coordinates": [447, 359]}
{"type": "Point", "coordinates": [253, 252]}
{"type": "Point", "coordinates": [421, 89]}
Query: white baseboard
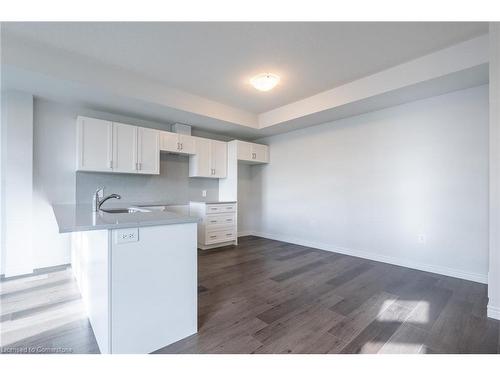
{"type": "Point", "coordinates": [494, 312]}
{"type": "Point", "coordinates": [480, 278]}
{"type": "Point", "coordinates": [245, 233]}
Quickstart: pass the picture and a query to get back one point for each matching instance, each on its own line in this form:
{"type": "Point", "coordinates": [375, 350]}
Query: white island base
{"type": "Point", "coordinates": [139, 285]}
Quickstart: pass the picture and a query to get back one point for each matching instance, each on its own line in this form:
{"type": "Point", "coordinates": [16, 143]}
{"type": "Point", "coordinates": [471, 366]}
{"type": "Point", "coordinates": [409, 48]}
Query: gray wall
{"type": "Point", "coordinates": [172, 186]}
{"type": "Point", "coordinates": [371, 185]}
{"type": "Point", "coordinates": [245, 198]}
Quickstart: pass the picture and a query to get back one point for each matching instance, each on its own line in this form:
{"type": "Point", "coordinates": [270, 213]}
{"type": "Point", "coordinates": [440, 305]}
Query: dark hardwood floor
{"type": "Point", "coordinates": [267, 296]}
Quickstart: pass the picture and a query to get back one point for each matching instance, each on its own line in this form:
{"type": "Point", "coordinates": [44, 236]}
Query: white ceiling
{"type": "Point", "coordinates": [215, 60]}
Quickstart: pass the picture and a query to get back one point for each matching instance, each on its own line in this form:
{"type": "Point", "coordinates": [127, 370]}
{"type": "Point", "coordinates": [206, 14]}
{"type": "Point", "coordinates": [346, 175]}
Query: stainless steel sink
{"type": "Point", "coordinates": [128, 210]}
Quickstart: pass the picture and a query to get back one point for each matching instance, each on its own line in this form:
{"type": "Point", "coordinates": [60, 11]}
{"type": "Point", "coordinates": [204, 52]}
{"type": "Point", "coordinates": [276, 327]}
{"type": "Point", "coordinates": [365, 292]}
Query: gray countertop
{"type": "Point", "coordinates": [78, 218]}
{"type": "Point", "coordinates": [214, 202]}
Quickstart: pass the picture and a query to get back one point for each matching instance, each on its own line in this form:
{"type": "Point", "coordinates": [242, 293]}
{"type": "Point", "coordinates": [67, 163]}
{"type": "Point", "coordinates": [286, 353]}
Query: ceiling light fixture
{"type": "Point", "coordinates": [265, 81]}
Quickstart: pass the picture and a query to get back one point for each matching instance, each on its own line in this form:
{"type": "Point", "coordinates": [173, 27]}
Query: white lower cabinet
{"type": "Point", "coordinates": [218, 226]}
{"type": "Point", "coordinates": [210, 159]}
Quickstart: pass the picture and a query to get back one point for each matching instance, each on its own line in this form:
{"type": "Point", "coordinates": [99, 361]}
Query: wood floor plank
{"type": "Point", "coordinates": [371, 339]}
{"type": "Point", "coordinates": [319, 320]}
{"type": "Point", "coordinates": [350, 274]}
{"type": "Point", "coordinates": [292, 319]}
{"type": "Point", "coordinates": [359, 319]}
{"type": "Point", "coordinates": [293, 254]}
{"type": "Point", "coordinates": [446, 334]}
{"type": "Point", "coordinates": [407, 339]}
{"type": "Point", "coordinates": [364, 287]}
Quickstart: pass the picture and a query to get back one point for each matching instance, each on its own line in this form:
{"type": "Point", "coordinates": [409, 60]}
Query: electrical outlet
{"type": "Point", "coordinates": [127, 235]}
{"type": "Point", "coordinates": [204, 193]}
{"type": "Point", "coordinates": [422, 238]}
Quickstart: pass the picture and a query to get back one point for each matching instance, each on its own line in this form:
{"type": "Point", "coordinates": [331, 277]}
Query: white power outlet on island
{"type": "Point", "coordinates": [204, 193]}
{"type": "Point", "coordinates": [127, 235]}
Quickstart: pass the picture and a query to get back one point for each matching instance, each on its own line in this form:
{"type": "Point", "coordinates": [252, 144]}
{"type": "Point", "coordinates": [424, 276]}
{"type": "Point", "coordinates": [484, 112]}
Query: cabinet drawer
{"type": "Point", "coordinates": [220, 219]}
{"type": "Point", "coordinates": [220, 208]}
{"type": "Point", "coordinates": [220, 236]}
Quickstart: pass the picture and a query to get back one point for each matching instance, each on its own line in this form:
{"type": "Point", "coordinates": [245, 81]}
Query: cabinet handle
{"type": "Point", "coordinates": [213, 221]}
{"type": "Point", "coordinates": [138, 166]}
{"type": "Point", "coordinates": [181, 146]}
{"type": "Point", "coordinates": [178, 146]}
{"type": "Point", "coordinates": [111, 163]}
{"type": "Point", "coordinates": [254, 155]}
{"type": "Point", "coordinates": [229, 219]}
{"type": "Point", "coordinates": [229, 234]}
{"type": "Point", "coordinates": [213, 236]}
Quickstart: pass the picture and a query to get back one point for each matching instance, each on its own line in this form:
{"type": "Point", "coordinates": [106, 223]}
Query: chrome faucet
{"type": "Point", "coordinates": [97, 203]}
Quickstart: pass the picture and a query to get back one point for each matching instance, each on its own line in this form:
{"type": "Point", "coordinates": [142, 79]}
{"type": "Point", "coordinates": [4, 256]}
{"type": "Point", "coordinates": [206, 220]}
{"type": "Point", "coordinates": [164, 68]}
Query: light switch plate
{"type": "Point", "coordinates": [127, 235]}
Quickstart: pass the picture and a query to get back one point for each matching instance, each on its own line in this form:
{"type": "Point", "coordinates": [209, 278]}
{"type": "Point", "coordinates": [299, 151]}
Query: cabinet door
{"type": "Point", "coordinates": [260, 153]}
{"type": "Point", "coordinates": [200, 163]}
{"type": "Point", "coordinates": [169, 142]}
{"type": "Point", "coordinates": [219, 159]}
{"type": "Point", "coordinates": [94, 145]}
{"type": "Point", "coordinates": [187, 144]}
{"type": "Point", "coordinates": [124, 148]}
{"type": "Point", "coordinates": [244, 151]}
{"type": "Point", "coordinates": [148, 151]}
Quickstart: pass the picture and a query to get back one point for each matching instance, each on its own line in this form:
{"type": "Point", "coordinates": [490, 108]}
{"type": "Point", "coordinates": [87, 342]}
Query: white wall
{"type": "Point", "coordinates": [54, 152]}
{"type": "Point", "coordinates": [3, 119]}
{"type": "Point", "coordinates": [370, 185]}
{"type": "Point", "coordinates": [494, 256]}
{"type": "Point", "coordinates": [17, 183]}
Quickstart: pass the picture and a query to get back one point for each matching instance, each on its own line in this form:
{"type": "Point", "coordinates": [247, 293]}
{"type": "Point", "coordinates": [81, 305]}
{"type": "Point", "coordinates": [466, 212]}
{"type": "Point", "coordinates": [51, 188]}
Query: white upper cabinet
{"type": "Point", "coordinates": [199, 164]}
{"type": "Point", "coordinates": [177, 143]}
{"type": "Point", "coordinates": [94, 145]}
{"type": "Point", "coordinates": [148, 151]}
{"type": "Point", "coordinates": [218, 158]}
{"type": "Point", "coordinates": [260, 153]}
{"type": "Point", "coordinates": [244, 150]}
{"type": "Point", "coordinates": [124, 148]}
{"type": "Point", "coordinates": [252, 152]}
{"type": "Point", "coordinates": [169, 141]}
{"type": "Point", "coordinates": [104, 146]}
{"type": "Point", "coordinates": [187, 143]}
{"type": "Point", "coordinates": [210, 159]}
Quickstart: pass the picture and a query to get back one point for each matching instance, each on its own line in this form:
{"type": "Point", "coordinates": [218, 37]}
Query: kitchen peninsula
{"type": "Point", "coordinates": [137, 273]}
